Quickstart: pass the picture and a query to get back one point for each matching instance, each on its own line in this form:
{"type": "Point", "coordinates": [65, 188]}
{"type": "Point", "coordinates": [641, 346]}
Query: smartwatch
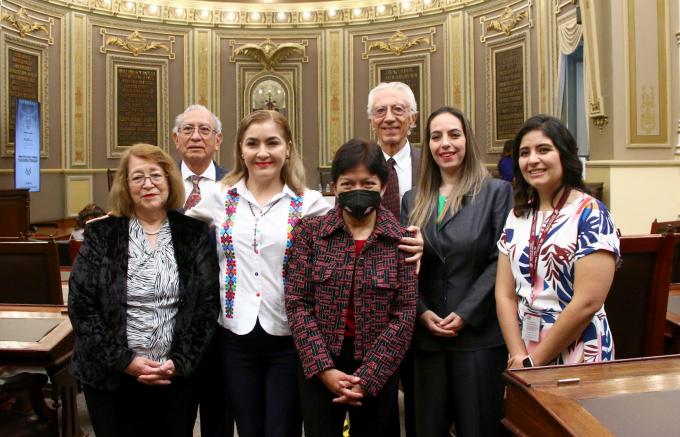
{"type": "Point", "coordinates": [528, 362]}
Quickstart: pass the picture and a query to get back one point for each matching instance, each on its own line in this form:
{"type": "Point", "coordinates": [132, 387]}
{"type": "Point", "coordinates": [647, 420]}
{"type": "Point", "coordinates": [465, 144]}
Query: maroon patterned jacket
{"type": "Point", "coordinates": [320, 271]}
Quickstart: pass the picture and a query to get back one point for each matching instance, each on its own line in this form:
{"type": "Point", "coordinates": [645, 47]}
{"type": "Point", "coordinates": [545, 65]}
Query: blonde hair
{"type": "Point", "coordinates": [471, 175]}
{"type": "Point", "coordinates": [119, 197]}
{"type": "Point", "coordinates": [292, 173]}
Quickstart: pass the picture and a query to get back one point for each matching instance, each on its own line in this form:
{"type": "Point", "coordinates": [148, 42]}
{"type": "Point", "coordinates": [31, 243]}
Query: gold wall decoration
{"type": "Point", "coordinates": [647, 113]}
{"type": "Point", "coordinates": [506, 22]}
{"type": "Point", "coordinates": [27, 25]}
{"type": "Point", "coordinates": [648, 84]}
{"type": "Point", "coordinates": [203, 63]}
{"type": "Point", "coordinates": [136, 44]}
{"type": "Point", "coordinates": [513, 17]}
{"type": "Point", "coordinates": [399, 43]}
{"type": "Point", "coordinates": [79, 145]}
{"type": "Point", "coordinates": [268, 53]}
{"type": "Point", "coordinates": [592, 59]}
{"type": "Point", "coordinates": [600, 122]}
{"type": "Point", "coordinates": [333, 98]}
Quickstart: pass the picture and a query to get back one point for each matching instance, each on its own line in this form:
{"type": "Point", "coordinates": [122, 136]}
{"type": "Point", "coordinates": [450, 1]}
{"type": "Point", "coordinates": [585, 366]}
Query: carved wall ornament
{"type": "Point", "coordinates": [648, 116]}
{"type": "Point", "coordinates": [268, 53]}
{"type": "Point", "coordinates": [600, 121]}
{"type": "Point", "coordinates": [25, 24]}
{"type": "Point", "coordinates": [398, 43]}
{"type": "Point", "coordinates": [504, 23]}
{"type": "Point", "coordinates": [507, 22]}
{"type": "Point", "coordinates": [136, 44]}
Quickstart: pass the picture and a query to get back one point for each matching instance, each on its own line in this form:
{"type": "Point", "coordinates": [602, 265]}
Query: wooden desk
{"type": "Point", "coordinates": [52, 352]}
{"type": "Point", "coordinates": [623, 398]}
{"type": "Point", "coordinates": [673, 318]}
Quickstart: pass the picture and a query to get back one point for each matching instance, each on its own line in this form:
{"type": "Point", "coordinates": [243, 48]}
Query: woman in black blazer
{"type": "Point", "coordinates": [143, 300]}
{"type": "Point", "coordinates": [458, 348]}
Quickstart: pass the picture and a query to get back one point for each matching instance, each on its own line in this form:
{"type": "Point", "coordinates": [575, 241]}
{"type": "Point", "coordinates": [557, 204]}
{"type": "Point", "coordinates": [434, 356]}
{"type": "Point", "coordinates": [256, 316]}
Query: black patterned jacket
{"type": "Point", "coordinates": [98, 296]}
{"type": "Point", "coordinates": [320, 271]}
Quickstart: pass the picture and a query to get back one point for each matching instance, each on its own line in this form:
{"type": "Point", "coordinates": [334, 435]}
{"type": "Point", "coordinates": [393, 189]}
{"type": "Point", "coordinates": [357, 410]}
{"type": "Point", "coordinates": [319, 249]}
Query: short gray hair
{"type": "Point", "coordinates": [217, 124]}
{"type": "Point", "coordinates": [397, 86]}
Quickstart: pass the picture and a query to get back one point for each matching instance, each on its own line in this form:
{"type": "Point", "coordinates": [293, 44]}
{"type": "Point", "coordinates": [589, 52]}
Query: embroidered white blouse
{"type": "Point", "coordinates": [251, 246]}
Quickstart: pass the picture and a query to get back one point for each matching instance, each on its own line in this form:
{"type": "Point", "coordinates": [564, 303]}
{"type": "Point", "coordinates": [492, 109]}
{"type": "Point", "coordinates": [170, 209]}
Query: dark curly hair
{"type": "Point", "coordinates": [572, 169]}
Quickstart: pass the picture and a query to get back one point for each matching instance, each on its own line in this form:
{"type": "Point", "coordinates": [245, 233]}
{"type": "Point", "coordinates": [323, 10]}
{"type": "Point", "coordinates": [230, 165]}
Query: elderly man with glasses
{"type": "Point", "coordinates": [392, 112]}
{"type": "Point", "coordinates": [197, 135]}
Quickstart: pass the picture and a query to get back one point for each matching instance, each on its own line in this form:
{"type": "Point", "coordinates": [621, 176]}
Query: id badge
{"type": "Point", "coordinates": [531, 327]}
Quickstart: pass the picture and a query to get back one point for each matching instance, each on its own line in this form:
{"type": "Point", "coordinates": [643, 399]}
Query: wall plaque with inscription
{"type": "Point", "coordinates": [23, 77]}
{"type": "Point", "coordinates": [509, 92]}
{"type": "Point", "coordinates": [410, 75]}
{"type": "Point", "coordinates": [136, 106]}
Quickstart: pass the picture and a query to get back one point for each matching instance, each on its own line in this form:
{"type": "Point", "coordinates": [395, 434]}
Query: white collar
{"type": "Point", "coordinates": [402, 157]}
{"type": "Point", "coordinates": [209, 172]}
{"type": "Point", "coordinates": [243, 191]}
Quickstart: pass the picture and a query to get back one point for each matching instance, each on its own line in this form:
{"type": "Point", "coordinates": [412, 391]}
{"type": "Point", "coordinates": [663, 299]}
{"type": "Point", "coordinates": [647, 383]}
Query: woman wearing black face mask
{"type": "Point", "coordinates": [459, 353]}
{"type": "Point", "coordinates": [350, 300]}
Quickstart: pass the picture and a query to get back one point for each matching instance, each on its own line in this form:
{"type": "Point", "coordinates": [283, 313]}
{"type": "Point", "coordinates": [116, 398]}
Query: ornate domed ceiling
{"type": "Point", "coordinates": [268, 13]}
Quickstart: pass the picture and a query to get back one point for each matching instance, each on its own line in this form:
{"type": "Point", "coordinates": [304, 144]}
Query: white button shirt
{"type": "Point", "coordinates": [206, 182]}
{"type": "Point", "coordinates": [259, 274]}
{"type": "Point", "coordinates": [402, 165]}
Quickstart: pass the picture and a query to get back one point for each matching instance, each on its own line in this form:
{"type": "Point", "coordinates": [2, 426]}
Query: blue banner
{"type": "Point", "coordinates": [27, 145]}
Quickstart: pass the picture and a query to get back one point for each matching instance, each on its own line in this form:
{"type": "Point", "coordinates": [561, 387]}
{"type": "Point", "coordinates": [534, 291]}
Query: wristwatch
{"type": "Point", "coordinates": [528, 362]}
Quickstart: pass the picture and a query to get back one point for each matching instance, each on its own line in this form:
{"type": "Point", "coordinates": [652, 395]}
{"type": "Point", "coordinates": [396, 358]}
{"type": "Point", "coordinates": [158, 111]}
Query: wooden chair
{"type": "Point", "coordinates": [30, 273]}
{"type": "Point", "coordinates": [34, 419]}
{"type": "Point", "coordinates": [14, 213]}
{"type": "Point", "coordinates": [638, 298]}
{"type": "Point", "coordinates": [110, 175]}
{"type": "Point", "coordinates": [73, 248]}
{"type": "Point", "coordinates": [661, 227]}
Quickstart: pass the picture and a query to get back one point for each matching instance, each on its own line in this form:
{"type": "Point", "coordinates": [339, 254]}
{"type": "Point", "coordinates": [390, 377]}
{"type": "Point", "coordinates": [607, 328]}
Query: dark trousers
{"type": "Point", "coordinates": [217, 419]}
{"type": "Point", "coordinates": [135, 409]}
{"type": "Point", "coordinates": [406, 380]}
{"type": "Point", "coordinates": [261, 376]}
{"type": "Point", "coordinates": [323, 418]}
{"type": "Point", "coordinates": [461, 387]}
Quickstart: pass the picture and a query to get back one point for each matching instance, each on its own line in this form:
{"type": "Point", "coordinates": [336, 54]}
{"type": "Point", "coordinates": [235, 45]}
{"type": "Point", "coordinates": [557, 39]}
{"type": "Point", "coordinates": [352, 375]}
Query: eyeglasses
{"type": "Point", "coordinates": [203, 130]}
{"type": "Point", "coordinates": [139, 179]}
{"type": "Point", "coordinates": [397, 110]}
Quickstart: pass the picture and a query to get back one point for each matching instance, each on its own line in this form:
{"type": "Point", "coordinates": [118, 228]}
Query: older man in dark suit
{"type": "Point", "coordinates": [392, 112]}
{"type": "Point", "coordinates": [197, 135]}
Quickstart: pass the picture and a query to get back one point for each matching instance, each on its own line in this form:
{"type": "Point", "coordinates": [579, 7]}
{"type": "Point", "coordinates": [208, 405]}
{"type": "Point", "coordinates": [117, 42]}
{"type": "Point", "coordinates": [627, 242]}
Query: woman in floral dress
{"type": "Point", "coordinates": [558, 253]}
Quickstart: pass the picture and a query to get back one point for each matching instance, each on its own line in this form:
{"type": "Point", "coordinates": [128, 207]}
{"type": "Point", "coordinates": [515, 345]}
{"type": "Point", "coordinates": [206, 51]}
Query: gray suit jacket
{"type": "Point", "coordinates": [415, 160]}
{"type": "Point", "coordinates": [458, 268]}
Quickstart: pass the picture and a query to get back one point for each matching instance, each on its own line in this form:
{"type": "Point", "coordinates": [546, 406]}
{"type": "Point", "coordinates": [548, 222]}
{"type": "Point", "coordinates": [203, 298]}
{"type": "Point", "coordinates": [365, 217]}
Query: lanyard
{"type": "Point", "coordinates": [535, 243]}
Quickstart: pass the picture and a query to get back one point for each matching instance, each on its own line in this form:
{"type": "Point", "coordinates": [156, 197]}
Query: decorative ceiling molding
{"type": "Point", "coordinates": [268, 53]}
{"type": "Point", "coordinates": [136, 44]}
{"type": "Point", "coordinates": [266, 13]}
